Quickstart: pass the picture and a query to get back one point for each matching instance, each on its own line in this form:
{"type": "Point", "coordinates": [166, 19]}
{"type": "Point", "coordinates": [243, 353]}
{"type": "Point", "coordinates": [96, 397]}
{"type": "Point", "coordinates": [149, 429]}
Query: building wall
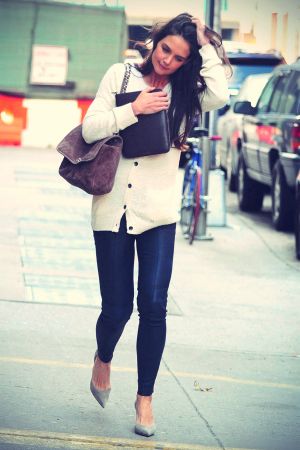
{"type": "Point", "coordinates": [141, 12]}
{"type": "Point", "coordinates": [96, 37]}
{"type": "Point", "coordinates": [251, 23]}
{"type": "Point", "coordinates": [277, 25]}
{"type": "Point", "coordinates": [40, 115]}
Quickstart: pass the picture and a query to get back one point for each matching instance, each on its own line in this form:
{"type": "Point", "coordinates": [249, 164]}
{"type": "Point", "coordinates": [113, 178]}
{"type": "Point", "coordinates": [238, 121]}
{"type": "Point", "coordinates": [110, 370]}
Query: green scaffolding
{"type": "Point", "coordinates": [96, 37]}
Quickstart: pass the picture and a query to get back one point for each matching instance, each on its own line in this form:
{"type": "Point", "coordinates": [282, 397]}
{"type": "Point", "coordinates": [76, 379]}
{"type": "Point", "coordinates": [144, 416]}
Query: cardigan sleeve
{"type": "Point", "coordinates": [103, 118]}
{"type": "Point", "coordinates": [216, 93]}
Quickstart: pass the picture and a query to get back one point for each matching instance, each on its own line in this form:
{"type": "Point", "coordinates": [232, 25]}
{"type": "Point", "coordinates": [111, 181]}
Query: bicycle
{"type": "Point", "coordinates": [194, 197]}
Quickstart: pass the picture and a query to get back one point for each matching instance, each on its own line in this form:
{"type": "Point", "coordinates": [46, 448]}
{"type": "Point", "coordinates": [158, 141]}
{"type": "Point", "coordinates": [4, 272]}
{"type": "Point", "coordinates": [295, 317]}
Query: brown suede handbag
{"type": "Point", "coordinates": [91, 167]}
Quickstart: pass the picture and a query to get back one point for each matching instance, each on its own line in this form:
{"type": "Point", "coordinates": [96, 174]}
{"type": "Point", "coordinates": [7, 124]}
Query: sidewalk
{"type": "Point", "coordinates": [229, 378]}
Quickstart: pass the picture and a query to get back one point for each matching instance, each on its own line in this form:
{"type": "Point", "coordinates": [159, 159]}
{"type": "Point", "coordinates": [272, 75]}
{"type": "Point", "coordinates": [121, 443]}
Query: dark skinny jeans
{"type": "Point", "coordinates": [115, 261]}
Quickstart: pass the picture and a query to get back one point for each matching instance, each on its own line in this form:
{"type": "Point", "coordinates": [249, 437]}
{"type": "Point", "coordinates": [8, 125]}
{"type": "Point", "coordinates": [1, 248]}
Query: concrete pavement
{"type": "Point", "coordinates": [229, 378]}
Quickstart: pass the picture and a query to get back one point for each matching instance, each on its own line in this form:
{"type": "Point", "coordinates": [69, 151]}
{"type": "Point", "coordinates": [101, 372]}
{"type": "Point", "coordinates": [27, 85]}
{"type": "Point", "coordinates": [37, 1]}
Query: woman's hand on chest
{"type": "Point", "coordinates": [150, 102]}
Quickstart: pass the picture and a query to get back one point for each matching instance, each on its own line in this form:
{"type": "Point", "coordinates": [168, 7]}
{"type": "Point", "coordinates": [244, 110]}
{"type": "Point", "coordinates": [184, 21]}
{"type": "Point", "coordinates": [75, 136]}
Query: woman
{"type": "Point", "coordinates": [141, 209]}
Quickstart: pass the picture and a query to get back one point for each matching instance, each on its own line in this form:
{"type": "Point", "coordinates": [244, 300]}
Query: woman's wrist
{"type": "Point", "coordinates": [135, 109]}
{"type": "Point", "coordinates": [203, 40]}
{"type": "Point", "coordinates": [200, 29]}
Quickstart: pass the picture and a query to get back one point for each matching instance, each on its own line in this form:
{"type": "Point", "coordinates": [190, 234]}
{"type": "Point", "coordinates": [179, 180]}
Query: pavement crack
{"type": "Point", "coordinates": [198, 412]}
{"type": "Point", "coordinates": [271, 250]}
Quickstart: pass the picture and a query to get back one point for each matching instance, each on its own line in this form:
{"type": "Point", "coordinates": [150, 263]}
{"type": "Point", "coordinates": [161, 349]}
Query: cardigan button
{"type": "Point", "coordinates": [129, 185]}
{"type": "Point", "coordinates": [130, 228]}
{"type": "Point", "coordinates": [136, 163]}
{"type": "Point", "coordinates": [125, 206]}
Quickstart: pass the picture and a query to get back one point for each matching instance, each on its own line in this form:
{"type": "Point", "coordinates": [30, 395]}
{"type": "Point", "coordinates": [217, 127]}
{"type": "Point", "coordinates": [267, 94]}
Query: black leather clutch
{"type": "Point", "coordinates": [149, 136]}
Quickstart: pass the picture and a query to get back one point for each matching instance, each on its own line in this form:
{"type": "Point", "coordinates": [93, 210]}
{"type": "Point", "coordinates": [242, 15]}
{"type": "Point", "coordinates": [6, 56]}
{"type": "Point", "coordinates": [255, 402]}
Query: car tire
{"type": "Point", "coordinates": [297, 219]}
{"type": "Point", "coordinates": [250, 193]}
{"type": "Point", "coordinates": [232, 178]}
{"type": "Point", "coordinates": [297, 229]}
{"type": "Point", "coordinates": [232, 182]}
{"type": "Point", "coordinates": [224, 171]}
{"type": "Point", "coordinates": [282, 200]}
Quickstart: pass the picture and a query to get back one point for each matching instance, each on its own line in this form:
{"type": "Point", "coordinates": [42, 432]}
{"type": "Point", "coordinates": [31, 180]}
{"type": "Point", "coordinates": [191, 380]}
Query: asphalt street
{"type": "Point", "coordinates": [230, 373]}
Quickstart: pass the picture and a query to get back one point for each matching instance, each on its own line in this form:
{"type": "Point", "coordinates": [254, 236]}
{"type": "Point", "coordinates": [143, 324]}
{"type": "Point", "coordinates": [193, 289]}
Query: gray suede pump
{"type": "Point", "coordinates": [144, 430]}
{"type": "Point", "coordinates": [101, 395]}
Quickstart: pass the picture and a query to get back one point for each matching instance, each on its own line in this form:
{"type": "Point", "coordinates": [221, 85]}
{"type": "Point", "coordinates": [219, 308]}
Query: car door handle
{"type": "Point", "coordinates": [270, 124]}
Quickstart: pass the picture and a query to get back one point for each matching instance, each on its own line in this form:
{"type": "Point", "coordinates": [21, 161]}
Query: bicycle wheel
{"type": "Point", "coordinates": [187, 203]}
{"type": "Point", "coordinates": [197, 207]}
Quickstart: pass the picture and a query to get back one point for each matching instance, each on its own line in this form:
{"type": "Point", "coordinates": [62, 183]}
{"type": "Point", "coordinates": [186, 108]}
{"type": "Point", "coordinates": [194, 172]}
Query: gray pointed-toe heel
{"type": "Point", "coordinates": [144, 430]}
{"type": "Point", "coordinates": [101, 395]}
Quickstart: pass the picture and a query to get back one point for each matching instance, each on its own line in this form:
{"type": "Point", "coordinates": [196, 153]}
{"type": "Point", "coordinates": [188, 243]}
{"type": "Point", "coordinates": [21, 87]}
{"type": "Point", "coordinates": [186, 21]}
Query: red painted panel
{"type": "Point", "coordinates": [13, 119]}
{"type": "Point", "coordinates": [266, 133]}
{"type": "Point", "coordinates": [83, 105]}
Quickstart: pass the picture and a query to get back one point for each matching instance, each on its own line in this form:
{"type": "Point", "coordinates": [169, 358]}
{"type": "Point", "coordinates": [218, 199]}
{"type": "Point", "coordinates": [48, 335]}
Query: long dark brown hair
{"type": "Point", "coordinates": [186, 82]}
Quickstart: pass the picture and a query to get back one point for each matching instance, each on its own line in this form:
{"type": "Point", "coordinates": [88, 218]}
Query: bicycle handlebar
{"type": "Point", "coordinates": [198, 132]}
{"type": "Point", "coordinates": [195, 140]}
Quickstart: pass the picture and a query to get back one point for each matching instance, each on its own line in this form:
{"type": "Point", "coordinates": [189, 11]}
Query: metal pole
{"type": "Point", "coordinates": [209, 17]}
{"type": "Point", "coordinates": [215, 13]}
{"type": "Point", "coordinates": [217, 26]}
{"type": "Point", "coordinates": [201, 233]}
{"type": "Point", "coordinates": [209, 13]}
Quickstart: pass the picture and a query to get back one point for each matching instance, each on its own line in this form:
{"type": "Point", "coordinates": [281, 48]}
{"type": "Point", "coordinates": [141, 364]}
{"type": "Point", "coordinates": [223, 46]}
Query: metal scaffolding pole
{"type": "Point", "coordinates": [213, 21]}
{"type": "Point", "coordinates": [201, 232]}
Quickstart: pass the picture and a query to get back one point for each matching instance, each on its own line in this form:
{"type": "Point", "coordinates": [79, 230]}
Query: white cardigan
{"type": "Point", "coordinates": [144, 187]}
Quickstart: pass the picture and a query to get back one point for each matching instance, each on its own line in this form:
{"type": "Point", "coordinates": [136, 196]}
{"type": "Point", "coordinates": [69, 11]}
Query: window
{"type": "Point", "coordinates": [276, 97]}
{"type": "Point", "coordinates": [263, 102]}
{"type": "Point", "coordinates": [292, 102]}
{"type": "Point", "coordinates": [252, 88]}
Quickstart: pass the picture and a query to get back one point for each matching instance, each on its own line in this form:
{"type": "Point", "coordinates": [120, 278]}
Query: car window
{"type": "Point", "coordinates": [276, 97]}
{"type": "Point", "coordinates": [263, 102]}
{"type": "Point", "coordinates": [248, 64]}
{"type": "Point", "coordinates": [252, 88]}
{"type": "Point", "coordinates": [292, 103]}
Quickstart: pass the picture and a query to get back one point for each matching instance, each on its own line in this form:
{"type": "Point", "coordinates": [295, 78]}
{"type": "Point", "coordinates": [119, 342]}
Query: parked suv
{"type": "Point", "coordinates": [297, 217]}
{"type": "Point", "coordinates": [245, 60]}
{"type": "Point", "coordinates": [230, 124]}
{"type": "Point", "coordinates": [270, 151]}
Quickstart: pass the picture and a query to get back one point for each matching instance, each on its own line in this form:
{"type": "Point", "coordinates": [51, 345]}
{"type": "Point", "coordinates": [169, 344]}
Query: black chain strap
{"type": "Point", "coordinates": [126, 78]}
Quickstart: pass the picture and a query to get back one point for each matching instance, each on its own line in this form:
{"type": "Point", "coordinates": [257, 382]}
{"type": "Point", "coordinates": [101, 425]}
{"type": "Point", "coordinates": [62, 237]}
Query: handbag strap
{"type": "Point", "coordinates": [126, 78]}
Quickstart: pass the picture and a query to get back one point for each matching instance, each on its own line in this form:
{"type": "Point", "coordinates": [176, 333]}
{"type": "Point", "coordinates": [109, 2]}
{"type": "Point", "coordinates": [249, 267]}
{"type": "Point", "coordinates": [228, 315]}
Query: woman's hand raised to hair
{"type": "Point", "coordinates": [202, 38]}
{"type": "Point", "coordinates": [150, 102]}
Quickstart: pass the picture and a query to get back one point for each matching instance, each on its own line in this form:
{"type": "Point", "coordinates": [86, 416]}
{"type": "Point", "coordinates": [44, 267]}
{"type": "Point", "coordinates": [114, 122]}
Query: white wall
{"type": "Point", "coordinates": [263, 25]}
{"type": "Point", "coordinates": [250, 14]}
{"type": "Point", "coordinates": [48, 121]}
{"type": "Point", "coordinates": [155, 9]}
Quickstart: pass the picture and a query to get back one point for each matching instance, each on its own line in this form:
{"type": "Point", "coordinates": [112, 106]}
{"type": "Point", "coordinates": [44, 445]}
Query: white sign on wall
{"type": "Point", "coordinates": [49, 65]}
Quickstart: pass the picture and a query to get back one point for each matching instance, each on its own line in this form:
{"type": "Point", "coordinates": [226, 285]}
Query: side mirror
{"type": "Point", "coordinates": [244, 108]}
{"type": "Point", "coordinates": [223, 110]}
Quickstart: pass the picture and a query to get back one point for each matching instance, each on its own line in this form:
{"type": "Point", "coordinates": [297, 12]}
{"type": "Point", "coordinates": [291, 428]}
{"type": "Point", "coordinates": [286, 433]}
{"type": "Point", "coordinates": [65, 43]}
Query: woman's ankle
{"type": "Point", "coordinates": [101, 374]}
{"type": "Point", "coordinates": [102, 364]}
{"type": "Point", "coordinates": [97, 359]}
{"type": "Point", "coordinates": [144, 413]}
{"type": "Point", "coordinates": [143, 399]}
